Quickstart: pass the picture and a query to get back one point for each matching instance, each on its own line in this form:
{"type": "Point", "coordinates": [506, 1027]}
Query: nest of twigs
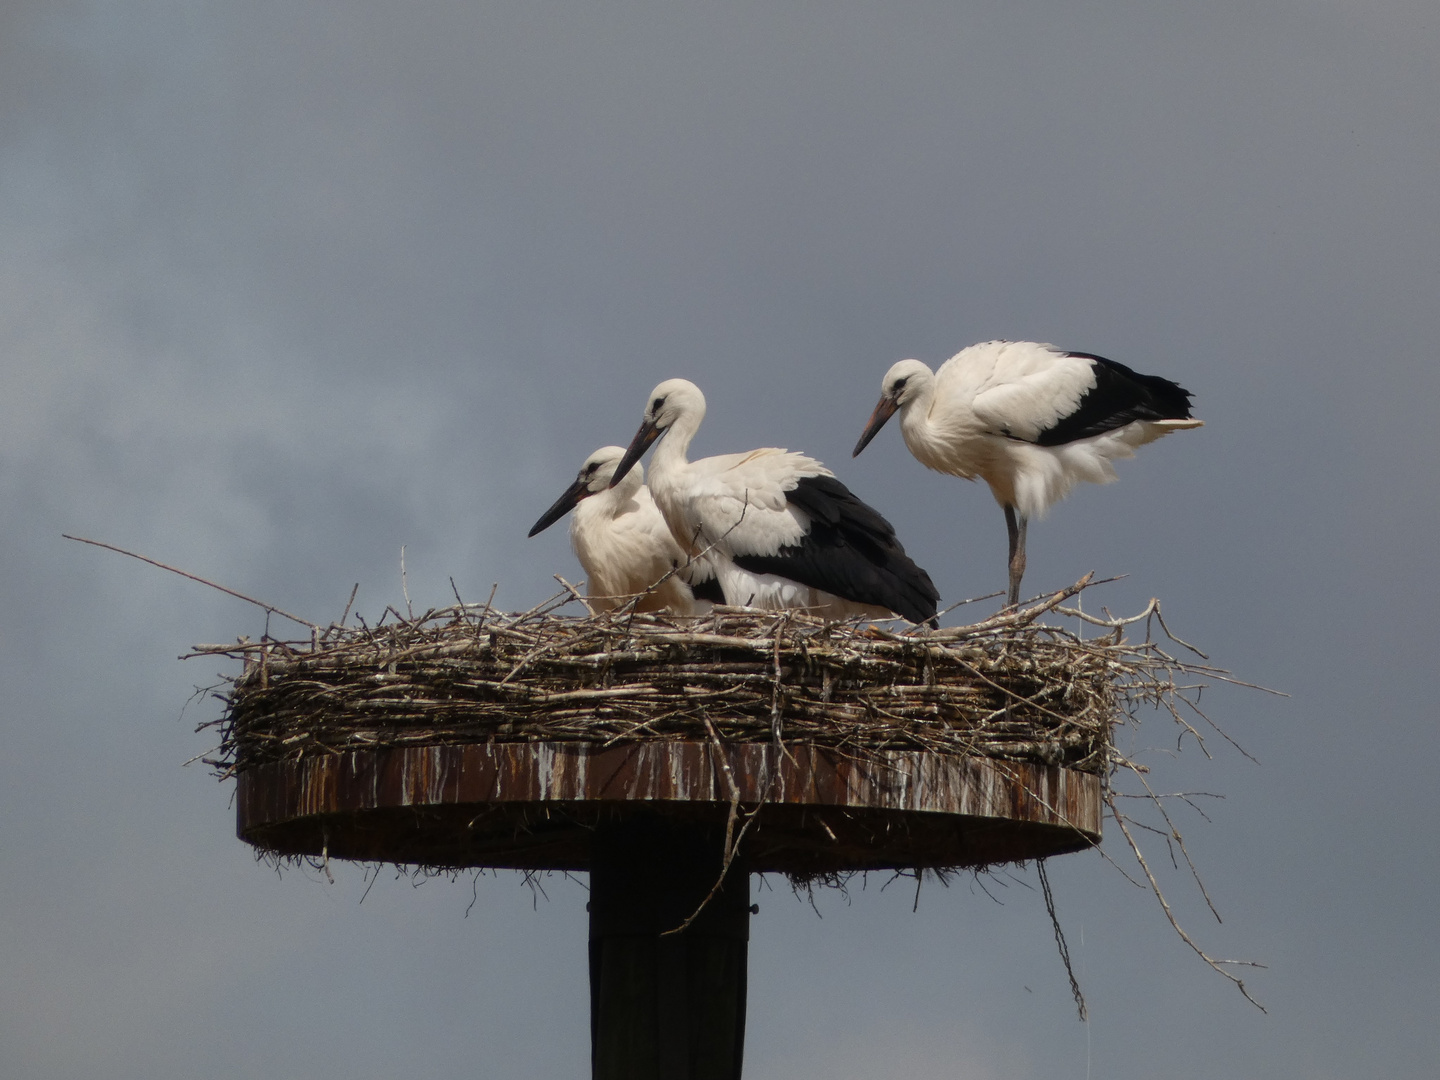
{"type": "Point", "coordinates": [1008, 687]}
{"type": "Point", "coordinates": [1014, 686]}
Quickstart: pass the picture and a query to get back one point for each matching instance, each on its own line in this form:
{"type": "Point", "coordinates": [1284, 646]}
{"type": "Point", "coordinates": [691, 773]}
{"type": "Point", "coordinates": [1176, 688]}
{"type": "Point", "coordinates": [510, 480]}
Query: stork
{"type": "Point", "coordinates": [624, 544]}
{"type": "Point", "coordinates": [781, 531]}
{"type": "Point", "coordinates": [1030, 420]}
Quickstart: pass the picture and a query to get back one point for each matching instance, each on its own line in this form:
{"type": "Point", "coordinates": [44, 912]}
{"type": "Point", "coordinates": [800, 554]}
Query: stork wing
{"type": "Point", "coordinates": [848, 550]}
{"type": "Point", "coordinates": [739, 501]}
{"type": "Point", "coordinates": [699, 574]}
{"type": "Point", "coordinates": [1032, 392]}
{"type": "Point", "coordinates": [1075, 396]}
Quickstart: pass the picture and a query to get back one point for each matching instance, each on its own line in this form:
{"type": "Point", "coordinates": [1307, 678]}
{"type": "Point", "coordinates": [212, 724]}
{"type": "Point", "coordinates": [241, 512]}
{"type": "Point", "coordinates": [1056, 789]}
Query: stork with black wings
{"type": "Point", "coordinates": [780, 529]}
{"type": "Point", "coordinates": [1030, 420]}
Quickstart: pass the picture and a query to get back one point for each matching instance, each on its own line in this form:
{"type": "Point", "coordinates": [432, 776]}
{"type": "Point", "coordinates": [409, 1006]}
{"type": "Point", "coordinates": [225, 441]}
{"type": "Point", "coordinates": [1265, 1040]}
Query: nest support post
{"type": "Point", "coordinates": [666, 1005]}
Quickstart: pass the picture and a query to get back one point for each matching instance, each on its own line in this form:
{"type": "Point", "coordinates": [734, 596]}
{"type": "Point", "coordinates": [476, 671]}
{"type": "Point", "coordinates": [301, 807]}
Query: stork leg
{"type": "Point", "coordinates": [1015, 526]}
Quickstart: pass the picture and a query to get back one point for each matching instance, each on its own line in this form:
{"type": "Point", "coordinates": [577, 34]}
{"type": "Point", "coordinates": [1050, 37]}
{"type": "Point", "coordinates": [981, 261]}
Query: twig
{"type": "Point", "coordinates": [346, 613]}
{"type": "Point", "coordinates": [195, 577]}
{"type": "Point", "coordinates": [1217, 965]}
{"type": "Point", "coordinates": [732, 846]}
{"type": "Point", "coordinates": [404, 587]}
{"type": "Point", "coordinates": [1060, 940]}
{"type": "Point", "coordinates": [920, 627]}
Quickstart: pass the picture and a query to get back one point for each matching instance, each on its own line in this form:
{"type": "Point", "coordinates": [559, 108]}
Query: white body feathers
{"type": "Point", "coordinates": [736, 507]}
{"type": "Point", "coordinates": [623, 543]}
{"type": "Point", "coordinates": [980, 416]}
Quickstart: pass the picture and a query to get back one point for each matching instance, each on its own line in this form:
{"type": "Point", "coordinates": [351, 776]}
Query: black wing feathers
{"type": "Point", "coordinates": [709, 589]}
{"type": "Point", "coordinates": [1119, 396]}
{"type": "Point", "coordinates": [850, 551]}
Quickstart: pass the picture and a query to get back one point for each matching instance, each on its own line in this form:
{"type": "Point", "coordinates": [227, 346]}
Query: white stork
{"type": "Point", "coordinates": [1030, 420]}
{"type": "Point", "coordinates": [781, 531]}
{"type": "Point", "coordinates": [624, 544]}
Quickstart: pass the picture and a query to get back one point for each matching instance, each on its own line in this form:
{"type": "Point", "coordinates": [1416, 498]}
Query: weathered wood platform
{"type": "Point", "coordinates": [646, 819]}
{"type": "Point", "coordinates": [536, 805]}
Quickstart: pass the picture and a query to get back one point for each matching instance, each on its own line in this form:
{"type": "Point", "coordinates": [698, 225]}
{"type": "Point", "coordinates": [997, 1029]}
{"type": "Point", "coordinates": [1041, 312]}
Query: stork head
{"type": "Point", "coordinates": [903, 383]}
{"type": "Point", "coordinates": [594, 477]}
{"type": "Point", "coordinates": [673, 401]}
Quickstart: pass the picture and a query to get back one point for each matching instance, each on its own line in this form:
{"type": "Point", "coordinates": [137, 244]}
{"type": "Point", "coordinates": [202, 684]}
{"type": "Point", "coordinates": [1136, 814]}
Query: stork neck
{"type": "Point", "coordinates": [672, 453]}
{"type": "Point", "coordinates": [624, 491]}
{"type": "Point", "coordinates": [915, 413]}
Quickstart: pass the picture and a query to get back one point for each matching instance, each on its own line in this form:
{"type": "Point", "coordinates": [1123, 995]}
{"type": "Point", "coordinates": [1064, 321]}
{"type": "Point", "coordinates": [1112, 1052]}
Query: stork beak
{"type": "Point", "coordinates": [647, 434]}
{"type": "Point", "coordinates": [563, 505]}
{"type": "Point", "coordinates": [883, 412]}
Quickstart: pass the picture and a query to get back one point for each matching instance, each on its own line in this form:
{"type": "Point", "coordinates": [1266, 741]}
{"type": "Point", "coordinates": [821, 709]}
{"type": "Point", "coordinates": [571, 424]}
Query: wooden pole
{"type": "Point", "coordinates": [666, 1006]}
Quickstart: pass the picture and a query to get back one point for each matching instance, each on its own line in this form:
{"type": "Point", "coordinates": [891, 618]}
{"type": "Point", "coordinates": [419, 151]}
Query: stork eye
{"type": "Point", "coordinates": [657, 405]}
{"type": "Point", "coordinates": [590, 469]}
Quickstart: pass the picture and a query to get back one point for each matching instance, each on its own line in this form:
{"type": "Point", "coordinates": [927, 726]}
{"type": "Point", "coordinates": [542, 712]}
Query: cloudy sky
{"type": "Point", "coordinates": [286, 286]}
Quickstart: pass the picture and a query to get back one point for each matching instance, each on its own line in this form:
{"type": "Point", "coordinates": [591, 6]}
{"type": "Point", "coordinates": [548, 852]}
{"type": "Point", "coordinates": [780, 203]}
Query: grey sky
{"type": "Point", "coordinates": [286, 286]}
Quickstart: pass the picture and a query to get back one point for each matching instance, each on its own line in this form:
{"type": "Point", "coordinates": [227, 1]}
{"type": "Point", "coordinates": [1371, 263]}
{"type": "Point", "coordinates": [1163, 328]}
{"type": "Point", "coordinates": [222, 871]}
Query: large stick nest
{"type": "Point", "coordinates": [1007, 687]}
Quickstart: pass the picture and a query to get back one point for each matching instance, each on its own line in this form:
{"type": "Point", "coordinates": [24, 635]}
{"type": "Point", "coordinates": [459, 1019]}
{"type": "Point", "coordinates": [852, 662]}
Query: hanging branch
{"type": "Point", "coordinates": [1060, 940]}
{"type": "Point", "coordinates": [1158, 893]}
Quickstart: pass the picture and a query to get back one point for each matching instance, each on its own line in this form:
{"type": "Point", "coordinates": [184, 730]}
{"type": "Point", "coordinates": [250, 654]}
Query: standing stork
{"type": "Point", "coordinates": [781, 531]}
{"type": "Point", "coordinates": [624, 544]}
{"type": "Point", "coordinates": [1030, 420]}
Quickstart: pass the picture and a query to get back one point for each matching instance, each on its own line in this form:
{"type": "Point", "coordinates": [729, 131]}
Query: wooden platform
{"type": "Point", "coordinates": [536, 805]}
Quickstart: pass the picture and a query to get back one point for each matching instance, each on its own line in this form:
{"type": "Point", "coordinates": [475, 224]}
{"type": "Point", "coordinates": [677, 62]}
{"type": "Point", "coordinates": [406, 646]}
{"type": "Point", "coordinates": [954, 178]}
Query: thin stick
{"type": "Point", "coordinates": [960, 604]}
{"type": "Point", "coordinates": [1170, 915]}
{"type": "Point", "coordinates": [574, 592]}
{"type": "Point", "coordinates": [195, 577]}
{"type": "Point", "coordinates": [731, 846]}
{"type": "Point", "coordinates": [346, 613]}
{"type": "Point", "coordinates": [405, 588]}
{"type": "Point", "coordinates": [1060, 941]}
{"type": "Point", "coordinates": [480, 623]}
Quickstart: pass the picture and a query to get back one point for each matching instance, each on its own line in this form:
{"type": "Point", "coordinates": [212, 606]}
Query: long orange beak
{"type": "Point", "coordinates": [883, 412]}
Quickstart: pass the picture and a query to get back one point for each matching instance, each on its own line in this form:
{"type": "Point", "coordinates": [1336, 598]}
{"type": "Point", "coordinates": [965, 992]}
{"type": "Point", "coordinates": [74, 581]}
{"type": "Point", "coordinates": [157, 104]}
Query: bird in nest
{"type": "Point", "coordinates": [779, 528]}
{"type": "Point", "coordinates": [1030, 420]}
{"type": "Point", "coordinates": [624, 545]}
